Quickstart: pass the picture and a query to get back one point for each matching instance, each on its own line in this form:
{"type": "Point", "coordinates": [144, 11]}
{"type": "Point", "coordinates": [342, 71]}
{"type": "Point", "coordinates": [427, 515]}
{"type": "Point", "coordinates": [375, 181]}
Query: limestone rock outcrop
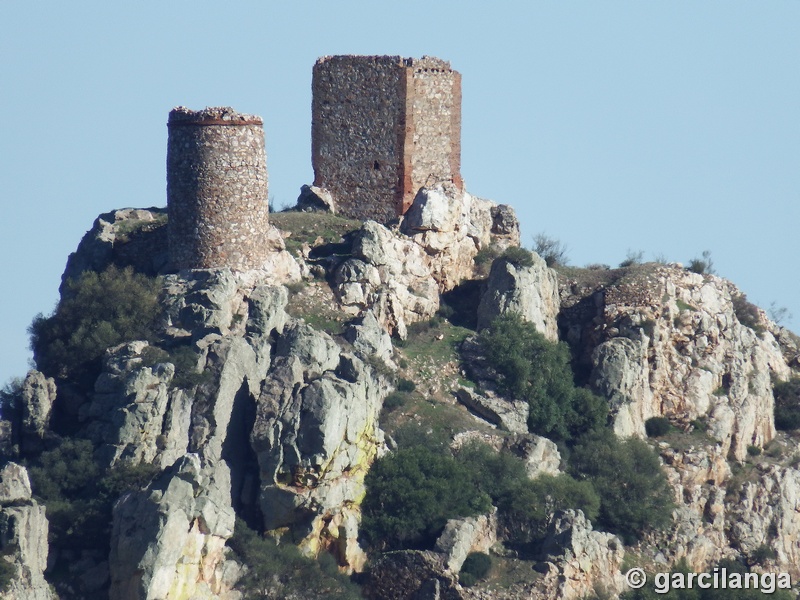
{"type": "Point", "coordinates": [23, 536]}
{"type": "Point", "coordinates": [315, 435]}
{"type": "Point", "coordinates": [463, 536]}
{"type": "Point", "coordinates": [531, 292]}
{"type": "Point", "coordinates": [400, 274]}
{"type": "Point", "coordinates": [580, 560]}
{"type": "Point", "coordinates": [661, 341]}
{"type": "Point", "coordinates": [273, 420]}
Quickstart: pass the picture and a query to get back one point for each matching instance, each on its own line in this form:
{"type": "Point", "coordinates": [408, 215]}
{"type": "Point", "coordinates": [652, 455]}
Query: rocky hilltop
{"type": "Point", "coordinates": [260, 401]}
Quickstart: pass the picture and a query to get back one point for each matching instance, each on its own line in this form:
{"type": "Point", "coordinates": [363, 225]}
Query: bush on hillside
{"type": "Point", "coordinates": [657, 427]}
{"type": "Point", "coordinates": [532, 368]}
{"type": "Point", "coordinates": [787, 404]}
{"type": "Point", "coordinates": [96, 311]}
{"type": "Point", "coordinates": [635, 495]}
{"type": "Point", "coordinates": [410, 496]}
{"type": "Point", "coordinates": [476, 567]}
{"type": "Point", "coordinates": [519, 257]}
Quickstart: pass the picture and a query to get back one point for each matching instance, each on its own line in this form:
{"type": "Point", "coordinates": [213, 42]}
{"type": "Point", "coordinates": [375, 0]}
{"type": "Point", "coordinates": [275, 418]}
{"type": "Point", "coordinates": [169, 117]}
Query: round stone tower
{"type": "Point", "coordinates": [216, 189]}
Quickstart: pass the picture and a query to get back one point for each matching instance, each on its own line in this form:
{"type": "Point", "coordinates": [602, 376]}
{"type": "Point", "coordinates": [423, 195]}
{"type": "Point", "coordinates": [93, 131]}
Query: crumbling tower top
{"type": "Point", "coordinates": [216, 189]}
{"type": "Point", "coordinates": [383, 127]}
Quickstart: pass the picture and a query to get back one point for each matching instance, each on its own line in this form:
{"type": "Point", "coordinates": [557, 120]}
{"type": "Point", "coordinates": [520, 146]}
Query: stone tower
{"type": "Point", "coordinates": [216, 189]}
{"type": "Point", "coordinates": [382, 127]}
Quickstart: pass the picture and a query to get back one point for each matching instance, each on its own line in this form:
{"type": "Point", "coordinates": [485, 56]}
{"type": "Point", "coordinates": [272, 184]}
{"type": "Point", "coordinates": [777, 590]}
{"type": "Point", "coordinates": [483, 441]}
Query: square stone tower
{"type": "Point", "coordinates": [382, 127]}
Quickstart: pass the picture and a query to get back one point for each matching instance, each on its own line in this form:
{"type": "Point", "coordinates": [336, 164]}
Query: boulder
{"type": "Point", "coordinates": [531, 292]}
{"type": "Point", "coordinates": [464, 536]}
{"type": "Point", "coordinates": [510, 415]}
{"type": "Point", "coordinates": [315, 199]}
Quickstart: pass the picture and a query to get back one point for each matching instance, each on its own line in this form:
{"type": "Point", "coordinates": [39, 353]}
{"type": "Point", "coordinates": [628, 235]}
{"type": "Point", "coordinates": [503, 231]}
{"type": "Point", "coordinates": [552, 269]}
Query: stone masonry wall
{"type": "Point", "coordinates": [433, 144]}
{"type": "Point", "coordinates": [357, 131]}
{"type": "Point", "coordinates": [382, 127]}
{"type": "Point", "coordinates": [216, 190]}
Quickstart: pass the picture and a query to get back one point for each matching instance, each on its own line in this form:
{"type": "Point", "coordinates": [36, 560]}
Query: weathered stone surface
{"type": "Point", "coordinates": [463, 536]}
{"type": "Point", "coordinates": [127, 411]}
{"type": "Point", "coordinates": [168, 541]}
{"type": "Point", "coordinates": [767, 513]}
{"type": "Point", "coordinates": [315, 435]}
{"type": "Point", "coordinates": [541, 455]}
{"type": "Point", "coordinates": [314, 199]}
{"type": "Point", "coordinates": [581, 560]}
{"type": "Point", "coordinates": [388, 274]}
{"type": "Point", "coordinates": [665, 342]}
{"type": "Point", "coordinates": [130, 236]}
{"type": "Point", "coordinates": [15, 487]}
{"type": "Point", "coordinates": [508, 415]}
{"type": "Point", "coordinates": [38, 395]}
{"type": "Point", "coordinates": [369, 338]}
{"type": "Point", "coordinates": [410, 575]}
{"type": "Point", "coordinates": [531, 292]}
{"type": "Point", "coordinates": [23, 536]}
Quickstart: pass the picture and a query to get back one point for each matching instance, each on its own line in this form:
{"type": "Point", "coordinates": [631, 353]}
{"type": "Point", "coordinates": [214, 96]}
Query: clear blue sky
{"type": "Point", "coordinates": [666, 127]}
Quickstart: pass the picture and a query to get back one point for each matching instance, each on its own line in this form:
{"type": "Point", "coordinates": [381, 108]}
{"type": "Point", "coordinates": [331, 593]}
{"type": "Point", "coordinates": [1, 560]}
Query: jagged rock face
{"type": "Point", "coordinates": [281, 428]}
{"type": "Point", "coordinates": [23, 536]}
{"type": "Point", "coordinates": [531, 292]}
{"type": "Point", "coordinates": [388, 274]}
{"type": "Point", "coordinates": [661, 341]}
{"type": "Point", "coordinates": [137, 237]}
{"type": "Point", "coordinates": [400, 274]}
{"type": "Point", "coordinates": [767, 513]}
{"type": "Point", "coordinates": [168, 541]}
{"type": "Point", "coordinates": [316, 433]}
{"type": "Point", "coordinates": [580, 560]}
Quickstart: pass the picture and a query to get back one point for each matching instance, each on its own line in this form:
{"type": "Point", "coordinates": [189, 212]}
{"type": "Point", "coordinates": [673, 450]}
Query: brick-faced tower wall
{"type": "Point", "coordinates": [216, 189]}
{"type": "Point", "coordinates": [433, 143]}
{"type": "Point", "coordinates": [382, 127]}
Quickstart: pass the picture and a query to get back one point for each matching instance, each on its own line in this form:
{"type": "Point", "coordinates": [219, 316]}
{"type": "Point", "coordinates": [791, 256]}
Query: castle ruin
{"type": "Point", "coordinates": [382, 128]}
{"type": "Point", "coordinates": [216, 189]}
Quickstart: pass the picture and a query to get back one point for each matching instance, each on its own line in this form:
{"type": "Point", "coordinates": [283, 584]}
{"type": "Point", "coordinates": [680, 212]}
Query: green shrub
{"type": "Point", "coordinates": [519, 257]}
{"type": "Point", "coordinates": [7, 573]}
{"type": "Point", "coordinates": [657, 426]}
{"type": "Point", "coordinates": [96, 311]}
{"type": "Point", "coordinates": [406, 385]}
{"type": "Point", "coordinates": [753, 451]}
{"type": "Point", "coordinates": [787, 404]}
{"type": "Point", "coordinates": [634, 493]}
{"type": "Point", "coordinates": [394, 400]}
{"type": "Point", "coordinates": [524, 515]}
{"type": "Point", "coordinates": [703, 265]}
{"type": "Point", "coordinates": [550, 249]}
{"type": "Point", "coordinates": [79, 494]}
{"type": "Point", "coordinates": [410, 496]}
{"type": "Point", "coordinates": [763, 554]}
{"type": "Point", "coordinates": [747, 313]}
{"type": "Point", "coordinates": [632, 258]}
{"type": "Point", "coordinates": [476, 567]}
{"type": "Point", "coordinates": [277, 571]}
{"type": "Point", "coordinates": [531, 367]}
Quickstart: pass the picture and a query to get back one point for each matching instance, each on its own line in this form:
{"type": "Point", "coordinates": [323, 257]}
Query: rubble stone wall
{"type": "Point", "coordinates": [383, 127]}
{"type": "Point", "coordinates": [217, 190]}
